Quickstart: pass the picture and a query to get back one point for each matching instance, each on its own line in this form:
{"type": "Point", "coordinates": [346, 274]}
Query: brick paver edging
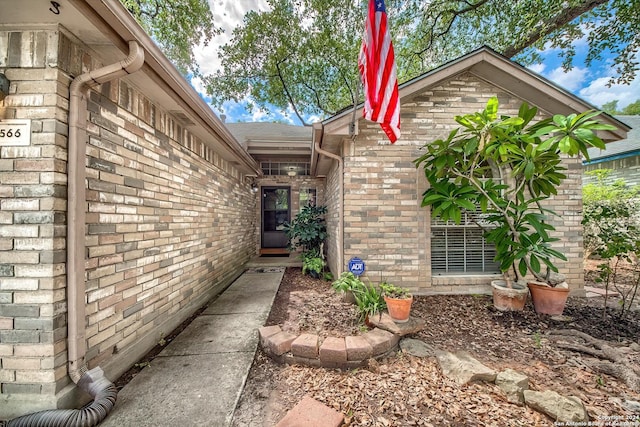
{"type": "Point", "coordinates": [307, 349]}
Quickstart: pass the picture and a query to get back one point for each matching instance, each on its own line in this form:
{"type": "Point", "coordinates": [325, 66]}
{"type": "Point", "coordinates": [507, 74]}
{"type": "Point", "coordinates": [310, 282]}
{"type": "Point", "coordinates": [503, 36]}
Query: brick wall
{"type": "Point", "coordinates": [332, 201]}
{"type": "Point", "coordinates": [167, 222]}
{"type": "Point", "coordinates": [384, 223]}
{"type": "Point", "coordinates": [381, 214]}
{"type": "Point", "coordinates": [33, 216]}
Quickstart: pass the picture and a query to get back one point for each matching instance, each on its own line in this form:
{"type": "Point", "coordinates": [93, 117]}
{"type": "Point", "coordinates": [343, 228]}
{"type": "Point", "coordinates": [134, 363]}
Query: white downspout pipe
{"type": "Point", "coordinates": [317, 141]}
{"type": "Point", "coordinates": [76, 200]}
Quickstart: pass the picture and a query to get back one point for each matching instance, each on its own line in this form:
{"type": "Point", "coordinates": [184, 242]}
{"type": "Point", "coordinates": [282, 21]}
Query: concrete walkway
{"type": "Point", "coordinates": [198, 378]}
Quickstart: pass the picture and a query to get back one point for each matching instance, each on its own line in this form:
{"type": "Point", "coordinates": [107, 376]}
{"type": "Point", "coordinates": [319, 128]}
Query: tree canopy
{"type": "Point", "coordinates": [632, 109]}
{"type": "Point", "coordinates": [301, 55]}
{"type": "Point", "coordinates": [177, 26]}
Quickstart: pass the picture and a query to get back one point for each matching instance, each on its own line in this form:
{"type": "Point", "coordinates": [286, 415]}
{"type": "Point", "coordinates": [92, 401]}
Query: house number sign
{"type": "Point", "coordinates": [15, 132]}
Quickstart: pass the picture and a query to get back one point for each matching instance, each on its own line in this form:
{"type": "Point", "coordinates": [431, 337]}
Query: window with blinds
{"type": "Point", "coordinates": [460, 249]}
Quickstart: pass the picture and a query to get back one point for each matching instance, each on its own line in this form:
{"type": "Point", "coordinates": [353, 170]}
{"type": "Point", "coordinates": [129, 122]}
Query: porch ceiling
{"type": "Point", "coordinates": [273, 141]}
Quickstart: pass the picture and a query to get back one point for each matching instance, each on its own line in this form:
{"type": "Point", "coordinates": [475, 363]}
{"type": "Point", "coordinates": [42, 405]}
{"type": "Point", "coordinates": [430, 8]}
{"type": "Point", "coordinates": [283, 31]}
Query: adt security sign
{"type": "Point", "coordinates": [356, 266]}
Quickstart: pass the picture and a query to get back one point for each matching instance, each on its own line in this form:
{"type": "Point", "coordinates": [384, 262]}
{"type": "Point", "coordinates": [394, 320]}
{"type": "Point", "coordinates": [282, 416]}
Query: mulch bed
{"type": "Point", "coordinates": [404, 390]}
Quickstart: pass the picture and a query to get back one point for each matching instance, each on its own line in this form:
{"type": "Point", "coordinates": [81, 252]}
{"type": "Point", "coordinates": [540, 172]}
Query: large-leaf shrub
{"type": "Point", "coordinates": [507, 166]}
{"type": "Point", "coordinates": [308, 230]}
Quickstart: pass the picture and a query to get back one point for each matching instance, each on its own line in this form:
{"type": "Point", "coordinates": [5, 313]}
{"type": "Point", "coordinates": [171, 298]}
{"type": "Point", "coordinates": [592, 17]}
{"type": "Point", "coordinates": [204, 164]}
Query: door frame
{"type": "Point", "coordinates": [263, 191]}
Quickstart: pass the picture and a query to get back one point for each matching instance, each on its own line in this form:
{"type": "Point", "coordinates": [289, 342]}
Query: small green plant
{"type": "Point", "coordinates": [347, 282]}
{"type": "Point", "coordinates": [599, 381]}
{"type": "Point", "coordinates": [327, 276]}
{"type": "Point", "coordinates": [312, 265]}
{"type": "Point", "coordinates": [393, 291]}
{"type": "Point", "coordinates": [369, 301]}
{"type": "Point", "coordinates": [537, 339]}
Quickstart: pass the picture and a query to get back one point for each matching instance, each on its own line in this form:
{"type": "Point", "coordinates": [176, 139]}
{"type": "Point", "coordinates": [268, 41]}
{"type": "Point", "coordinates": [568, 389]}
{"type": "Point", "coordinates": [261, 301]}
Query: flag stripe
{"type": "Point", "coordinates": [378, 69]}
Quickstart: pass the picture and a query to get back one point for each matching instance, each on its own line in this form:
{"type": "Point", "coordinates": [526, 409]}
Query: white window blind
{"type": "Point", "coordinates": [459, 249]}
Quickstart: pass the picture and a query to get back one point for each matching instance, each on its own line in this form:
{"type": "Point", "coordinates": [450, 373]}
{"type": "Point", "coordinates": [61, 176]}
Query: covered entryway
{"type": "Point", "coordinates": [276, 211]}
{"type": "Point", "coordinates": [285, 185]}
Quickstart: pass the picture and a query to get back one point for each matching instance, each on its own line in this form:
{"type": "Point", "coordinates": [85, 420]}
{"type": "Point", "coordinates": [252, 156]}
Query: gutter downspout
{"type": "Point", "coordinates": [76, 300]}
{"type": "Point", "coordinates": [103, 392]}
{"type": "Point", "coordinates": [318, 127]}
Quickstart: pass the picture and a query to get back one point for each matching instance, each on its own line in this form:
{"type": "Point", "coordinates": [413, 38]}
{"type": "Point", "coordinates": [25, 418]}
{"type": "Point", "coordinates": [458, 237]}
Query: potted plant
{"type": "Point", "coordinates": [347, 285]}
{"type": "Point", "coordinates": [507, 167]}
{"type": "Point", "coordinates": [398, 301]}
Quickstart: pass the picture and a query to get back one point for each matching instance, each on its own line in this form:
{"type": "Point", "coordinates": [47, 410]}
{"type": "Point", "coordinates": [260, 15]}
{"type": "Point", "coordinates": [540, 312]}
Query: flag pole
{"type": "Point", "coordinates": [352, 125]}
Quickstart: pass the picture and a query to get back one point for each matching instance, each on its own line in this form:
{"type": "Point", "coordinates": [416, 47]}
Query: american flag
{"type": "Point", "coordinates": [378, 70]}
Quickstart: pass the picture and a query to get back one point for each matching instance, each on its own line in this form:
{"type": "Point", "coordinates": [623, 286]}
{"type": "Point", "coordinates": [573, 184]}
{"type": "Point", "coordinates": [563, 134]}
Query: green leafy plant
{"type": "Point", "coordinates": [308, 230]}
{"type": "Point", "coordinates": [507, 166]}
{"type": "Point", "coordinates": [369, 301]}
{"type": "Point", "coordinates": [312, 265]}
{"type": "Point", "coordinates": [611, 219]}
{"type": "Point", "coordinates": [347, 282]}
{"type": "Point", "coordinates": [609, 208]}
{"type": "Point", "coordinates": [393, 291]}
{"type": "Point", "coordinates": [537, 339]}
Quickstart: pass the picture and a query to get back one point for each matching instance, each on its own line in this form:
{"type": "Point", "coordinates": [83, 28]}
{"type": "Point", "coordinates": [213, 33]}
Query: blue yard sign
{"type": "Point", "coordinates": [356, 266]}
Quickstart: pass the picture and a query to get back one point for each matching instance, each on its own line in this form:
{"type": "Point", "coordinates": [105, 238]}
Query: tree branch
{"type": "Point", "coordinates": [288, 94]}
{"type": "Point", "coordinates": [316, 95]}
{"type": "Point", "coordinates": [456, 13]}
{"type": "Point", "coordinates": [566, 16]}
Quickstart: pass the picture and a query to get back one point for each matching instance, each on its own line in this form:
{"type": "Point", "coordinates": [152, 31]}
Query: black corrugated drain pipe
{"type": "Point", "coordinates": [103, 392]}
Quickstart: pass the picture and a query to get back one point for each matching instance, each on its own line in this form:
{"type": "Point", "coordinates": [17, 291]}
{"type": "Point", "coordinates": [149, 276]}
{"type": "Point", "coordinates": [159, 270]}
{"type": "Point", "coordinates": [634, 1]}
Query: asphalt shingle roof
{"type": "Point", "coordinates": [629, 146]}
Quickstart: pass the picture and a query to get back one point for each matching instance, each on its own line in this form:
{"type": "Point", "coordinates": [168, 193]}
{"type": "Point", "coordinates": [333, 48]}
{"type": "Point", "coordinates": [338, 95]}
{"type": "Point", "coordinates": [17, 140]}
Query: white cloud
{"type": "Point", "coordinates": [537, 68]}
{"type": "Point", "coordinates": [259, 115]}
{"type": "Point", "coordinates": [571, 80]}
{"type": "Point", "coordinates": [198, 85]}
{"type": "Point", "coordinates": [597, 92]}
{"type": "Point", "coordinates": [227, 14]}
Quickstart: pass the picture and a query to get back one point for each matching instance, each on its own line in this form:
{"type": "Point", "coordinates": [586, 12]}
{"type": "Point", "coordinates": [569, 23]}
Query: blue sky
{"type": "Point", "coordinates": [587, 83]}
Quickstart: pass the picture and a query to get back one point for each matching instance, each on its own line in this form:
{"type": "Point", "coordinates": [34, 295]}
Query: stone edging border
{"type": "Point", "coordinates": [344, 353]}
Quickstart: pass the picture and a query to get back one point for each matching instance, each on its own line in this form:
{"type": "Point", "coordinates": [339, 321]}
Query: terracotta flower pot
{"type": "Point", "coordinates": [508, 299]}
{"type": "Point", "coordinates": [399, 309]}
{"type": "Point", "coordinates": [548, 300]}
